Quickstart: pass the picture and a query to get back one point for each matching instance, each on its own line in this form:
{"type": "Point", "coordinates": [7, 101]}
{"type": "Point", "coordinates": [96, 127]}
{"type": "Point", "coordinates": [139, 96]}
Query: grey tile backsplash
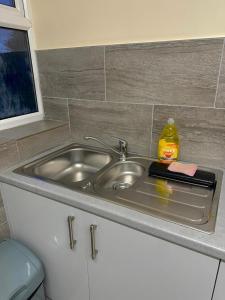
{"type": "Point", "coordinates": [56, 108]}
{"type": "Point", "coordinates": [107, 119]}
{"type": "Point", "coordinates": [130, 90]}
{"type": "Point", "coordinates": [33, 145]}
{"type": "Point", "coordinates": [201, 131]}
{"type": "Point", "coordinates": [72, 73]}
{"type": "Point", "coordinates": [182, 72]}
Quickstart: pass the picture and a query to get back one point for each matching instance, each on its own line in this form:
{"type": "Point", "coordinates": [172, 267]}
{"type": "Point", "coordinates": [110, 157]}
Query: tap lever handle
{"type": "Point", "coordinates": [122, 142]}
{"type": "Point", "coordinates": [122, 145]}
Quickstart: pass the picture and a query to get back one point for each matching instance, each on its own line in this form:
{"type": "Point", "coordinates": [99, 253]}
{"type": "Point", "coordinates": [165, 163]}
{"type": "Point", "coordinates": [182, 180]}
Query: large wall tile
{"type": "Point", "coordinates": [35, 144]}
{"type": "Point", "coordinates": [106, 119]}
{"type": "Point", "coordinates": [72, 73]}
{"type": "Point", "coordinates": [56, 109]}
{"type": "Point", "coordinates": [180, 72]}
{"type": "Point", "coordinates": [201, 131]}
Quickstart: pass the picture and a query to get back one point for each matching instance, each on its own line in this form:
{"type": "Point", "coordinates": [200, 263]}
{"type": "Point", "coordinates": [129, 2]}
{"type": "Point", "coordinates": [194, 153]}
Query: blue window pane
{"type": "Point", "coordinates": [17, 90]}
{"type": "Point", "coordinates": [8, 2]}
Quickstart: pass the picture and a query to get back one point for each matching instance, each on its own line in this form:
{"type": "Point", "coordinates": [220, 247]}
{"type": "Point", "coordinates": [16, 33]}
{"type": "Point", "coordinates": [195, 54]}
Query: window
{"type": "Point", "coordinates": [18, 96]}
{"type": "Point", "coordinates": [8, 2]}
{"type": "Point", "coordinates": [20, 100]}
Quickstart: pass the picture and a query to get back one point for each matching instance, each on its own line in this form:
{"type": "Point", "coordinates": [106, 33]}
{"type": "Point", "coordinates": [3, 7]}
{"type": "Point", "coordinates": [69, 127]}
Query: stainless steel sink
{"type": "Point", "coordinates": [99, 172]}
{"type": "Point", "coordinates": [121, 175]}
{"type": "Point", "coordinates": [73, 164]}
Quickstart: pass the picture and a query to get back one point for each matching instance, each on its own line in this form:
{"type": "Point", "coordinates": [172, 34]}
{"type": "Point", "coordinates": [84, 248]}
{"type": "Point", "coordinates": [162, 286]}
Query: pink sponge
{"type": "Point", "coordinates": [187, 169]}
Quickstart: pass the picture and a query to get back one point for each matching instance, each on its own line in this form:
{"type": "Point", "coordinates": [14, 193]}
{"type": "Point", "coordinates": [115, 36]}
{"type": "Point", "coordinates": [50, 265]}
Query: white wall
{"type": "Point", "coordinates": [72, 23]}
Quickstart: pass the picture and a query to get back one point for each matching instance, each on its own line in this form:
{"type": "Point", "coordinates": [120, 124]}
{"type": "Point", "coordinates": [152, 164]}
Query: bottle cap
{"type": "Point", "coordinates": [170, 121]}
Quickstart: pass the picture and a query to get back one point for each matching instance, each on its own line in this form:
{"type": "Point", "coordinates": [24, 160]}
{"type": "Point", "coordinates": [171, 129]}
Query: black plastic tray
{"type": "Point", "coordinates": [201, 177]}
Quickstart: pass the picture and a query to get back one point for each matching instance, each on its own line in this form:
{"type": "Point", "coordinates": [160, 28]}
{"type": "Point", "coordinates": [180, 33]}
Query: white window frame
{"type": "Point", "coordinates": [19, 18]}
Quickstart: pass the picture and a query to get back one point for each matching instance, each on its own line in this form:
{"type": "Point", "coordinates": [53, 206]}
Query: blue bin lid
{"type": "Point", "coordinates": [21, 272]}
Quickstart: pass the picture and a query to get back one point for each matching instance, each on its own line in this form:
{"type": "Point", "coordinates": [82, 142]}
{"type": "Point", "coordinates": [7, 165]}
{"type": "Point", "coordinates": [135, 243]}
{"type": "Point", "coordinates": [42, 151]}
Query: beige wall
{"type": "Point", "coordinates": [72, 23]}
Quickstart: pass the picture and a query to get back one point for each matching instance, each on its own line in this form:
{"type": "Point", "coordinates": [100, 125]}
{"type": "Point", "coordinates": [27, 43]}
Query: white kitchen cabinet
{"type": "Point", "coordinates": [219, 293]}
{"type": "Point", "coordinates": [133, 265]}
{"type": "Point", "coordinates": [129, 265]}
{"type": "Point", "coordinates": [42, 225]}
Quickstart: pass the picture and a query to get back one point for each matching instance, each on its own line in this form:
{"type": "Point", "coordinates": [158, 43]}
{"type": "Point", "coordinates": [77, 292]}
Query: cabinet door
{"type": "Point", "coordinates": [219, 293]}
{"type": "Point", "coordinates": [131, 265]}
{"type": "Point", "coordinates": [41, 224]}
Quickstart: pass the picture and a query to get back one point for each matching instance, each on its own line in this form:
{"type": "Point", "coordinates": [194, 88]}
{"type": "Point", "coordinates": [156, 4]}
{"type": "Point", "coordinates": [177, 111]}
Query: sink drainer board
{"type": "Point", "coordinates": [181, 202]}
{"type": "Point", "coordinates": [99, 172]}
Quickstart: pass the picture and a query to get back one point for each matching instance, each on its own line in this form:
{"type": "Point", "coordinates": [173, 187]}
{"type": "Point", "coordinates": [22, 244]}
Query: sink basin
{"type": "Point", "coordinates": [99, 172]}
{"type": "Point", "coordinates": [120, 176]}
{"type": "Point", "coordinates": [70, 166]}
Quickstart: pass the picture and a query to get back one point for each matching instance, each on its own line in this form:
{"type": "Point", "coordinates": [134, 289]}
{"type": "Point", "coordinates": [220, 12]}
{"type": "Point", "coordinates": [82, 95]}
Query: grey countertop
{"type": "Point", "coordinates": [27, 130]}
{"type": "Point", "coordinates": [210, 244]}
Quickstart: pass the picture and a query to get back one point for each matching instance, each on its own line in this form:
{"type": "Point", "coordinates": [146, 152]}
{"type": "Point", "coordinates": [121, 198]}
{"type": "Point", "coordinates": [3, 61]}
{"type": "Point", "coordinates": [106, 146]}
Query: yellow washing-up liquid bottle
{"type": "Point", "coordinates": [168, 148]}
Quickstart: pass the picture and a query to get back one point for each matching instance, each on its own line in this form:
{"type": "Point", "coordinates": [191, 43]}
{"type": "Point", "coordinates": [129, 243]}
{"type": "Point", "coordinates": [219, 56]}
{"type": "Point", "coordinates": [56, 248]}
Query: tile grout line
{"type": "Point", "coordinates": [105, 76]}
{"type": "Point", "coordinates": [68, 113]}
{"type": "Point", "coordinates": [219, 73]}
{"type": "Point", "coordinates": [53, 97]}
{"type": "Point", "coordinates": [149, 104]}
{"type": "Point", "coordinates": [150, 144]}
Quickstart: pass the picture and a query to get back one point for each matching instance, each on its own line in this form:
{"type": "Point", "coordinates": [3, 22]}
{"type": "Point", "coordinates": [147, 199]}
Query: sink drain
{"type": "Point", "coordinates": [121, 185]}
{"type": "Point", "coordinates": [87, 186]}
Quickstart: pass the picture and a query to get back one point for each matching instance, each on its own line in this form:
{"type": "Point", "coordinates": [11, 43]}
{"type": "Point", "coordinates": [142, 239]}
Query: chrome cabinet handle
{"type": "Point", "coordinates": [94, 251]}
{"type": "Point", "coordinates": [70, 221]}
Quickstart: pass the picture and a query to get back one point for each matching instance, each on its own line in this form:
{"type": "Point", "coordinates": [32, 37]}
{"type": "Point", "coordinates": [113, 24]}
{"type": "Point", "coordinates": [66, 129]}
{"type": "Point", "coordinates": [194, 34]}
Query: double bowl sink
{"type": "Point", "coordinates": [99, 172]}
